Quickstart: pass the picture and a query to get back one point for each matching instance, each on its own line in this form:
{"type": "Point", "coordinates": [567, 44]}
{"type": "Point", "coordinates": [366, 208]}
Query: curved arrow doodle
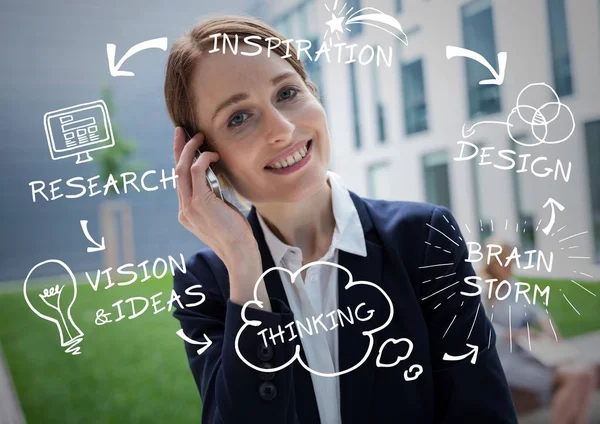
{"type": "Point", "coordinates": [453, 51]}
{"type": "Point", "coordinates": [111, 49]}
{"type": "Point", "coordinates": [205, 345]}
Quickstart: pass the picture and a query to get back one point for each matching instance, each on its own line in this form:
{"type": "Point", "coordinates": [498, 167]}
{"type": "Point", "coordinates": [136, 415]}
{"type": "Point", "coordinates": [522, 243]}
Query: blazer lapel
{"type": "Point", "coordinates": [356, 386]}
{"type": "Point", "coordinates": [308, 410]}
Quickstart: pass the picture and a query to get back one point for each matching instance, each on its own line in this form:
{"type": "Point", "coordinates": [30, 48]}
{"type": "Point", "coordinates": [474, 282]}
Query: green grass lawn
{"type": "Point", "coordinates": [132, 371]}
{"type": "Point", "coordinates": [569, 322]}
{"type": "Point", "coordinates": [136, 371]}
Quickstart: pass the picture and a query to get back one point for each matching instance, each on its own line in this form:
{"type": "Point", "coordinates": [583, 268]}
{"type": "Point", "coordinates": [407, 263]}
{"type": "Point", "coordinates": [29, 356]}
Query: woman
{"type": "Point", "coordinates": [568, 389]}
{"type": "Point", "coordinates": [262, 128]}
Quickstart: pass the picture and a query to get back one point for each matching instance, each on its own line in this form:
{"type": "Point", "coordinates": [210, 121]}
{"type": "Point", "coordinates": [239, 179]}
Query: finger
{"type": "Point", "coordinates": [186, 158]}
{"type": "Point", "coordinates": [178, 143]}
{"type": "Point", "coordinates": [180, 205]}
{"type": "Point", "coordinates": [188, 154]}
{"type": "Point", "coordinates": [184, 183]}
{"type": "Point", "coordinates": [198, 171]}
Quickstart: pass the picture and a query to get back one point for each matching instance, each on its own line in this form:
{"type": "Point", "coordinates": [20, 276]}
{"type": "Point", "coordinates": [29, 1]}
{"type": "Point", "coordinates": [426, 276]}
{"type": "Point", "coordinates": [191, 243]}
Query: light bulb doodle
{"type": "Point", "coordinates": [53, 308]}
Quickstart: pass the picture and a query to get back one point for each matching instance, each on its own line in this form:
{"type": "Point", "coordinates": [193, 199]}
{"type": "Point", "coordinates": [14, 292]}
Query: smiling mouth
{"type": "Point", "coordinates": [293, 158]}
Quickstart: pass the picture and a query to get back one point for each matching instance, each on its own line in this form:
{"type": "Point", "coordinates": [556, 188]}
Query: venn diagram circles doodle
{"type": "Point", "coordinates": [549, 118]}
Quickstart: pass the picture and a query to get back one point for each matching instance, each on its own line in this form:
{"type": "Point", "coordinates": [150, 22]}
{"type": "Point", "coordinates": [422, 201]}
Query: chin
{"type": "Point", "coordinates": [295, 191]}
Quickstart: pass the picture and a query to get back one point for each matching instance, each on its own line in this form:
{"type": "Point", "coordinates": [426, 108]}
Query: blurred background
{"type": "Point", "coordinates": [394, 130]}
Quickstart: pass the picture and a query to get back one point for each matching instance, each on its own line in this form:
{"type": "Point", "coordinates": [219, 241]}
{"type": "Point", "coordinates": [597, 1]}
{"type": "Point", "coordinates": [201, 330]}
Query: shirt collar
{"type": "Point", "coordinates": [348, 234]}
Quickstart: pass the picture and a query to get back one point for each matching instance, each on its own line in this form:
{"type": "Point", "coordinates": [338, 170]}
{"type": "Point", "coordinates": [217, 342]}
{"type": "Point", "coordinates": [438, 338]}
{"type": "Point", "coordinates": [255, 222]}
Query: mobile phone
{"type": "Point", "coordinates": [211, 177]}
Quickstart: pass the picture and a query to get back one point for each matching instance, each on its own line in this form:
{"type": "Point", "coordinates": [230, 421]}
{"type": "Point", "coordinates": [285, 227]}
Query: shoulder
{"type": "Point", "coordinates": [406, 218]}
{"type": "Point", "coordinates": [414, 227]}
{"type": "Point", "coordinates": [205, 268]}
{"type": "Point", "coordinates": [399, 211]}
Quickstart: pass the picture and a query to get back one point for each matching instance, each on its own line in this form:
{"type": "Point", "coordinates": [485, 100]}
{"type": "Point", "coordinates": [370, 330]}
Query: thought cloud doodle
{"type": "Point", "coordinates": [413, 372]}
{"type": "Point", "coordinates": [539, 116]}
{"type": "Point", "coordinates": [416, 369]}
{"type": "Point", "coordinates": [399, 358]}
{"type": "Point", "coordinates": [255, 323]}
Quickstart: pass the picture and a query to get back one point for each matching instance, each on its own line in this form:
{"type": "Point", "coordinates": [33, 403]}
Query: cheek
{"type": "Point", "coordinates": [237, 162]}
{"type": "Point", "coordinates": [313, 112]}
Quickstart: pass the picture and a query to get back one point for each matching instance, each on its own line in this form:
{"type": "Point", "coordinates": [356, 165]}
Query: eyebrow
{"type": "Point", "coordinates": [236, 98]}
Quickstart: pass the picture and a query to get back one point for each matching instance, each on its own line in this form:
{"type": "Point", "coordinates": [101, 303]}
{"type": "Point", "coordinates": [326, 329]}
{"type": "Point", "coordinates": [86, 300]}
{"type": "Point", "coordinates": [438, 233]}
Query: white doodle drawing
{"type": "Point", "coordinates": [418, 370]}
{"type": "Point", "coordinates": [553, 205]}
{"type": "Point", "coordinates": [453, 51]}
{"type": "Point", "coordinates": [111, 49]}
{"type": "Point", "coordinates": [205, 344]}
{"type": "Point", "coordinates": [399, 358]}
{"type": "Point", "coordinates": [533, 116]}
{"type": "Point", "coordinates": [474, 350]}
{"type": "Point", "coordinates": [475, 254]}
{"type": "Point", "coordinates": [99, 246]}
{"type": "Point", "coordinates": [351, 283]}
{"type": "Point", "coordinates": [78, 130]}
{"type": "Point", "coordinates": [54, 309]}
{"type": "Point", "coordinates": [365, 16]}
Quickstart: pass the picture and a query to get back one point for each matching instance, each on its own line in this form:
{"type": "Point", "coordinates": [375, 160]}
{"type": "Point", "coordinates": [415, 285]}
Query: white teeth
{"type": "Point", "coordinates": [290, 160]}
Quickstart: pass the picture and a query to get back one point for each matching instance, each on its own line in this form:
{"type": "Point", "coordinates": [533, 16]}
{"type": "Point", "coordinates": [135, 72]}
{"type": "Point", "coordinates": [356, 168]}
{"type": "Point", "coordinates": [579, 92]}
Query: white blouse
{"type": "Point", "coordinates": [318, 293]}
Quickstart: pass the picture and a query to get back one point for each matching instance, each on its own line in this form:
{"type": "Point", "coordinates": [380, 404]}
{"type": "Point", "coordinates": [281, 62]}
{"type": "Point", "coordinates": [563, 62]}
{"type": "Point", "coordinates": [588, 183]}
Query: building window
{"type": "Point", "coordinates": [592, 140]}
{"type": "Point", "coordinates": [478, 36]}
{"type": "Point", "coordinates": [524, 188]}
{"type": "Point", "coordinates": [355, 29]}
{"type": "Point", "coordinates": [482, 177]}
{"type": "Point", "coordinates": [413, 93]}
{"type": "Point", "coordinates": [559, 42]}
{"type": "Point", "coordinates": [379, 180]}
{"type": "Point", "coordinates": [437, 181]}
{"type": "Point", "coordinates": [355, 108]}
{"type": "Point", "coordinates": [314, 70]}
{"type": "Point", "coordinates": [379, 109]}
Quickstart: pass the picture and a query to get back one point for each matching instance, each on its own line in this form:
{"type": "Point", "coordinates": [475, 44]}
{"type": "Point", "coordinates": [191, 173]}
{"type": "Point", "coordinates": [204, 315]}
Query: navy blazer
{"type": "Point", "coordinates": [416, 254]}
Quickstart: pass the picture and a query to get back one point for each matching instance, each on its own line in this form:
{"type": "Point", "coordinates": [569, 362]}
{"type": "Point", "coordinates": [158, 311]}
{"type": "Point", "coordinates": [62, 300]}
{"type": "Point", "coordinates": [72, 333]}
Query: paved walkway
{"type": "Point", "coordinates": [589, 346]}
{"type": "Point", "coordinates": [10, 409]}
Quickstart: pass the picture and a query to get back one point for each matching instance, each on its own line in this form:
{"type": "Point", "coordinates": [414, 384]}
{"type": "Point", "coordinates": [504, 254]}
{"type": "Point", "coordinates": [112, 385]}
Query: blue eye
{"type": "Point", "coordinates": [235, 122]}
{"type": "Point", "coordinates": [293, 90]}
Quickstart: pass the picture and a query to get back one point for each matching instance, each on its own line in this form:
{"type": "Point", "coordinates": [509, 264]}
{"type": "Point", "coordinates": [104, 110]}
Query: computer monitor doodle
{"type": "Point", "coordinates": [78, 130]}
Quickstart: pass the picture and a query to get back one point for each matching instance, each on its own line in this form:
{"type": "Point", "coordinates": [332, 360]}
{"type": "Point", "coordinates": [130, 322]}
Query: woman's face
{"type": "Point", "coordinates": [256, 111]}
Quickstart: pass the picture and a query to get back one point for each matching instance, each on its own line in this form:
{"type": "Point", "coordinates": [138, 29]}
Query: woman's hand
{"type": "Point", "coordinates": [219, 224]}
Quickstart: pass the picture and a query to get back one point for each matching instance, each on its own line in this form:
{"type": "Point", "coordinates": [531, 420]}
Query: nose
{"type": "Point", "coordinates": [278, 126]}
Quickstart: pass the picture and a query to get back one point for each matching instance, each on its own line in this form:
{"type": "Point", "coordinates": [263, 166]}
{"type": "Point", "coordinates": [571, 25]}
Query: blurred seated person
{"type": "Point", "coordinates": [567, 389]}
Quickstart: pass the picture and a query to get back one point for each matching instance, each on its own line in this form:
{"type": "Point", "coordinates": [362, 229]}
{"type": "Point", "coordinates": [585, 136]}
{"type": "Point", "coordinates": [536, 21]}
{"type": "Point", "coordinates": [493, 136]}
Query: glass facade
{"type": "Point", "coordinates": [523, 194]}
{"type": "Point", "coordinates": [437, 181]}
{"type": "Point", "coordinates": [355, 29]}
{"type": "Point", "coordinates": [413, 95]}
{"type": "Point", "coordinates": [355, 106]}
{"type": "Point", "coordinates": [559, 45]}
{"type": "Point", "coordinates": [478, 36]}
{"type": "Point", "coordinates": [379, 108]}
